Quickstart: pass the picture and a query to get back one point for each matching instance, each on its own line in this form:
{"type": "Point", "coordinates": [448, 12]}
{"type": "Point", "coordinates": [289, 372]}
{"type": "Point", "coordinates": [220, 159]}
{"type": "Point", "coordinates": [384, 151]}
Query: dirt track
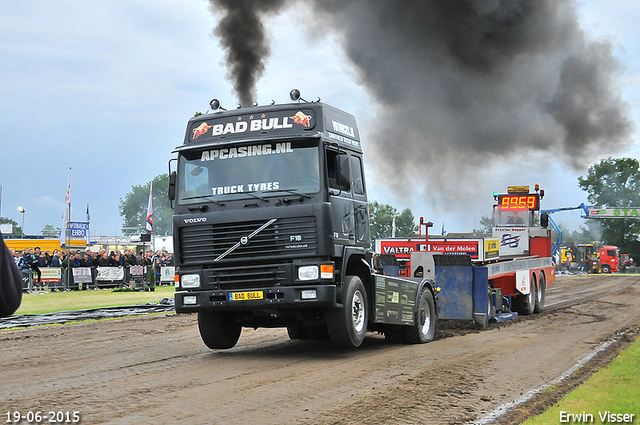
{"type": "Point", "coordinates": [155, 369]}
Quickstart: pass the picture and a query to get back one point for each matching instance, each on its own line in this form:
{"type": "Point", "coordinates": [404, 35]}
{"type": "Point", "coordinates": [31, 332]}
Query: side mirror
{"type": "Point", "coordinates": [172, 186]}
{"type": "Point", "coordinates": [544, 220]}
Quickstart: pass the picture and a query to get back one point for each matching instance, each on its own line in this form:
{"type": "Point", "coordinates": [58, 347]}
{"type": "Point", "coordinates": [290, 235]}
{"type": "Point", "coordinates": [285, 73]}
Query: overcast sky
{"type": "Point", "coordinates": [106, 88]}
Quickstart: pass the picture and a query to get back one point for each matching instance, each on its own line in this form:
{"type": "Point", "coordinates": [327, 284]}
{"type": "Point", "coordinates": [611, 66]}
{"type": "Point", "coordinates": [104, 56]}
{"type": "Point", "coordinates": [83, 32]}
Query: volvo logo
{"type": "Point", "coordinates": [245, 239]}
{"type": "Point", "coordinates": [195, 220]}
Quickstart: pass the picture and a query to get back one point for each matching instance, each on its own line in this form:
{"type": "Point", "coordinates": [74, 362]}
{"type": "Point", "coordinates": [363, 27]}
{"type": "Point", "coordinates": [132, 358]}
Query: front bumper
{"type": "Point", "coordinates": [285, 297]}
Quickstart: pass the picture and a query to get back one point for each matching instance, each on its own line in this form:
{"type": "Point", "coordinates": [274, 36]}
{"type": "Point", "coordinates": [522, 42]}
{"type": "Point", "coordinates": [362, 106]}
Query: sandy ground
{"type": "Point", "coordinates": [155, 369]}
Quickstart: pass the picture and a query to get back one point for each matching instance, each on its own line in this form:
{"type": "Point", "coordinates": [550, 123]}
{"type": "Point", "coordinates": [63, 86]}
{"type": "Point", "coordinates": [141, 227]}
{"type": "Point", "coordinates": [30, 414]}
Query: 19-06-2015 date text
{"type": "Point", "coordinates": [39, 417]}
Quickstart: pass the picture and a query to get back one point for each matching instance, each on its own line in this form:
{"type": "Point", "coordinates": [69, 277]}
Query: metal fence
{"type": "Point", "coordinates": [84, 278]}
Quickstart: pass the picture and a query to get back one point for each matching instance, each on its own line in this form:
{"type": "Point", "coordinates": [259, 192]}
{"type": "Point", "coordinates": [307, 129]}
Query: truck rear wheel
{"type": "Point", "coordinates": [540, 295]}
{"type": "Point", "coordinates": [525, 304]}
{"type": "Point", "coordinates": [218, 330]}
{"type": "Point", "coordinates": [425, 327]}
{"type": "Point", "coordinates": [347, 325]}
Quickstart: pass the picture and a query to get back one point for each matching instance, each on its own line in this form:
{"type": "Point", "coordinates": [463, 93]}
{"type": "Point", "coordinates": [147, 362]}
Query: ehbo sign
{"type": "Point", "coordinates": [79, 229]}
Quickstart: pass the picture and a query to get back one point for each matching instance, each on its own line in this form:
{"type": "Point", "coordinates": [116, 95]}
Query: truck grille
{"type": "Point", "coordinates": [202, 244]}
{"type": "Point", "coordinates": [246, 277]}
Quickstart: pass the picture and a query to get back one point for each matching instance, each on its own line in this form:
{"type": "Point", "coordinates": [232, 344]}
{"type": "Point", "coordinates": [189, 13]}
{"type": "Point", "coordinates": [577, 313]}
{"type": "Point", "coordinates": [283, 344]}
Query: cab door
{"type": "Point", "coordinates": [360, 202]}
{"type": "Point", "coordinates": [340, 197]}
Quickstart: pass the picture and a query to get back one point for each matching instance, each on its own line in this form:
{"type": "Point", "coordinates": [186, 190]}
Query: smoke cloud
{"type": "Point", "coordinates": [463, 84]}
{"type": "Point", "coordinates": [242, 35]}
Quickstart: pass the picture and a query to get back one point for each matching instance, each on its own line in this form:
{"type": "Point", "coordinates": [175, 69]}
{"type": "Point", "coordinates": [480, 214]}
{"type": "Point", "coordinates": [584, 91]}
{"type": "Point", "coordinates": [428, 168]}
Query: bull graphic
{"type": "Point", "coordinates": [301, 118]}
{"type": "Point", "coordinates": [200, 130]}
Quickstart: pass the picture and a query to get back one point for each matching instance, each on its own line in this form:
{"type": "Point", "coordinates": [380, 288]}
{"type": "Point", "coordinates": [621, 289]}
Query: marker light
{"type": "Point", "coordinates": [255, 104]}
{"type": "Point", "coordinates": [294, 94]}
{"type": "Point", "coordinates": [326, 271]}
{"type": "Point", "coordinates": [495, 195]}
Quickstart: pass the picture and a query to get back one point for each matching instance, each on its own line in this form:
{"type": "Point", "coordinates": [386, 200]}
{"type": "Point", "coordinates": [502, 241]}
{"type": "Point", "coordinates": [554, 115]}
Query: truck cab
{"type": "Point", "coordinates": [271, 214]}
{"type": "Point", "coordinates": [608, 258]}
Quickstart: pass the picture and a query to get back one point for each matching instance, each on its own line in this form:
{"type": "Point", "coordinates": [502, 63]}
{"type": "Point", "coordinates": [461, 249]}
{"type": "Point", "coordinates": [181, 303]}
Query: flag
{"type": "Point", "coordinates": [393, 227]}
{"type": "Point", "coordinates": [150, 210]}
{"type": "Point", "coordinates": [87, 219]}
{"type": "Point", "coordinates": [67, 212]}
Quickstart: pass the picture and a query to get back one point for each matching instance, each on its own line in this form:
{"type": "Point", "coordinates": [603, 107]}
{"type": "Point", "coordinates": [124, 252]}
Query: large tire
{"type": "Point", "coordinates": [542, 284]}
{"type": "Point", "coordinates": [347, 325]}
{"type": "Point", "coordinates": [526, 304]}
{"type": "Point", "coordinates": [606, 268]}
{"type": "Point", "coordinates": [483, 321]}
{"type": "Point", "coordinates": [425, 326]}
{"type": "Point", "coordinates": [218, 330]}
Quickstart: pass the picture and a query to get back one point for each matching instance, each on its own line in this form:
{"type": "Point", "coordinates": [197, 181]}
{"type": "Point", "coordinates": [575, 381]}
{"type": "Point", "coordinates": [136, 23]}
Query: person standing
{"type": "Point", "coordinates": [10, 282]}
{"type": "Point", "coordinates": [56, 261]}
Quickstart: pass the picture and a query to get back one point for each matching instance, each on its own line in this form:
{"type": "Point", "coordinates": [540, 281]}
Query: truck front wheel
{"type": "Point", "coordinates": [218, 330]}
{"type": "Point", "coordinates": [347, 325]}
{"type": "Point", "coordinates": [425, 327]}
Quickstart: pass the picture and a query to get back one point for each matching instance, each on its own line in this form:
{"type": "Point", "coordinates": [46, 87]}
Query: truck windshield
{"type": "Point", "coordinates": [247, 171]}
{"type": "Point", "coordinates": [511, 216]}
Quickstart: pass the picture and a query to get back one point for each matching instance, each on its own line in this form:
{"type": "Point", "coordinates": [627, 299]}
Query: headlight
{"type": "Point", "coordinates": [308, 273]}
{"type": "Point", "coordinates": [190, 281]}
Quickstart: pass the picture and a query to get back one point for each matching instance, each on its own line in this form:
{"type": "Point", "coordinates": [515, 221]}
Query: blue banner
{"type": "Point", "coordinates": [79, 229]}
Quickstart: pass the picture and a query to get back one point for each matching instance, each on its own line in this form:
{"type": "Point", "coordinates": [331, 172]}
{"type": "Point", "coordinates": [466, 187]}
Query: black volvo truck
{"type": "Point", "coordinates": [271, 229]}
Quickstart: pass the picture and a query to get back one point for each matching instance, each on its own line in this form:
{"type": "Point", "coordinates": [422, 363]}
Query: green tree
{"type": "Point", "coordinates": [16, 231]}
{"type": "Point", "coordinates": [382, 221]}
{"type": "Point", "coordinates": [50, 230]}
{"type": "Point", "coordinates": [133, 207]}
{"type": "Point", "coordinates": [615, 182]}
{"type": "Point", "coordinates": [486, 224]}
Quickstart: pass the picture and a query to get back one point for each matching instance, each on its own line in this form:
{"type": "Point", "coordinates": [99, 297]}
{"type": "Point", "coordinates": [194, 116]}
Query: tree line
{"type": "Point", "coordinates": [612, 182]}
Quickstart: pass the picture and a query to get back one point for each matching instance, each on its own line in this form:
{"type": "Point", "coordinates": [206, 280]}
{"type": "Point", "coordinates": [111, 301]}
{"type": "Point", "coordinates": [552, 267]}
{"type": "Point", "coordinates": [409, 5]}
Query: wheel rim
{"type": "Point", "coordinates": [532, 295]}
{"type": "Point", "coordinates": [357, 312]}
{"type": "Point", "coordinates": [425, 318]}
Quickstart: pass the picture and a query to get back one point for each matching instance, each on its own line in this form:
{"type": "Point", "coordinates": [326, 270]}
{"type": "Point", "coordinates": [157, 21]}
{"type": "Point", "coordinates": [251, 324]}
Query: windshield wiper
{"type": "Point", "coordinates": [207, 197]}
{"type": "Point", "coordinates": [210, 197]}
{"type": "Point", "coordinates": [293, 191]}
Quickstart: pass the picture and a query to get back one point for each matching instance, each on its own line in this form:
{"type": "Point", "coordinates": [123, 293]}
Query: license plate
{"type": "Point", "coordinates": [244, 296]}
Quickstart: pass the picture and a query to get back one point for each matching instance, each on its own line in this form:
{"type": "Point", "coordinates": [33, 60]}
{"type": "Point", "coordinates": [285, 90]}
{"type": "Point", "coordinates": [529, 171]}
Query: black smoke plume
{"type": "Point", "coordinates": [466, 87]}
{"type": "Point", "coordinates": [242, 35]}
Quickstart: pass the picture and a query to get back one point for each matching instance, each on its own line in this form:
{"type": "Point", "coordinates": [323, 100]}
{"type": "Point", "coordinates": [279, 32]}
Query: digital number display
{"type": "Point", "coordinates": [519, 202]}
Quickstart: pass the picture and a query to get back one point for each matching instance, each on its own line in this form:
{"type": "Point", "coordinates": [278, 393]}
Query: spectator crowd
{"type": "Point", "coordinates": [31, 261]}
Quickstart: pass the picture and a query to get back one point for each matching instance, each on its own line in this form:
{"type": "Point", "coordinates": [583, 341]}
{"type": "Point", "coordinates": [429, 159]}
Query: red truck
{"type": "Point", "coordinates": [608, 258]}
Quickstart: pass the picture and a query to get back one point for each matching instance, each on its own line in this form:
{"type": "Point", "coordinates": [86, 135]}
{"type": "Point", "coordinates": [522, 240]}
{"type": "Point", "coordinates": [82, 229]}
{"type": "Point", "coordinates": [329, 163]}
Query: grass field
{"type": "Point", "coordinates": [613, 390]}
{"type": "Point", "coordinates": [50, 302]}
